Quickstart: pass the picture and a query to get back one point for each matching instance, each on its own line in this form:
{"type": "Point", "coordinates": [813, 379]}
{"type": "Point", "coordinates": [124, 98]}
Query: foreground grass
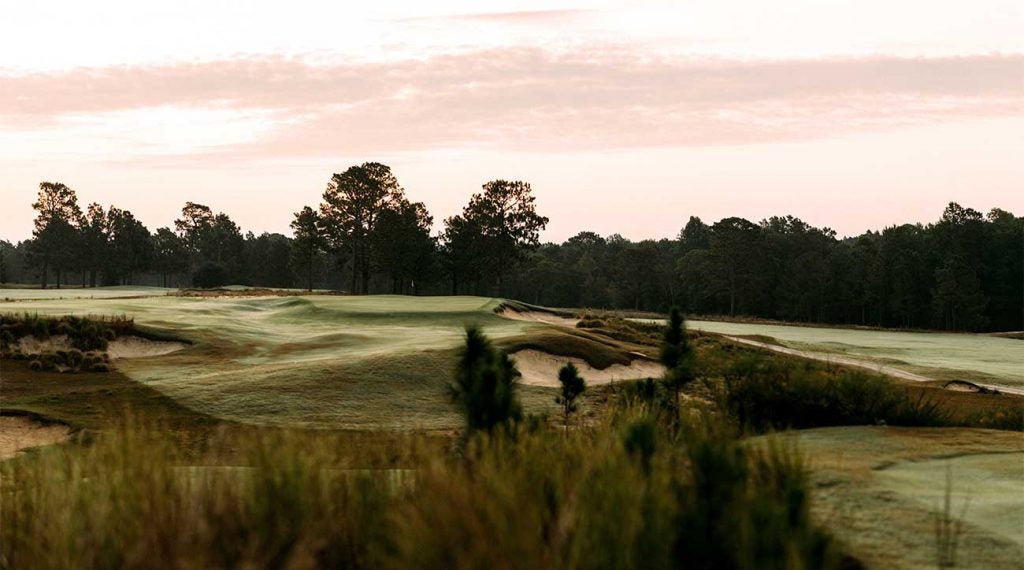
{"type": "Point", "coordinates": [631, 492]}
{"type": "Point", "coordinates": [880, 489]}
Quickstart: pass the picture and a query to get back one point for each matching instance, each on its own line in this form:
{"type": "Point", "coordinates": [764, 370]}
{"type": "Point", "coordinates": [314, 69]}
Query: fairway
{"type": "Point", "coordinates": [319, 361]}
{"type": "Point", "coordinates": [125, 292]}
{"type": "Point", "coordinates": [879, 488]}
{"type": "Point", "coordinates": [980, 358]}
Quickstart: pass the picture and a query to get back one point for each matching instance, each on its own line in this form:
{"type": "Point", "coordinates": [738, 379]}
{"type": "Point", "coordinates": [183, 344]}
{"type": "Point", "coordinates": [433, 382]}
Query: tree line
{"type": "Point", "coordinates": [963, 272]}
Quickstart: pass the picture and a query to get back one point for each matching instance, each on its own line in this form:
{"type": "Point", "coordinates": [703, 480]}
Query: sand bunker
{"type": "Point", "coordinates": [541, 369]}
{"type": "Point", "coordinates": [32, 345]}
{"type": "Point", "coordinates": [123, 347]}
{"type": "Point", "coordinates": [538, 317]}
{"type": "Point", "coordinates": [20, 432]}
{"type": "Point", "coordinates": [136, 347]}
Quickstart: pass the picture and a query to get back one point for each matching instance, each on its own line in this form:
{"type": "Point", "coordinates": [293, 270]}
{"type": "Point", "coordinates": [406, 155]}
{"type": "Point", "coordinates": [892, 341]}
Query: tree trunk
{"type": "Point", "coordinates": [46, 271]}
{"type": "Point", "coordinates": [309, 274]}
{"type": "Point", "coordinates": [364, 270]}
{"type": "Point", "coordinates": [352, 290]}
{"type": "Point", "coordinates": [732, 297]}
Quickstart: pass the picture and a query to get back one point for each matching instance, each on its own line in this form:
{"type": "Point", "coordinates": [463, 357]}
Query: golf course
{"type": "Point", "coordinates": [381, 364]}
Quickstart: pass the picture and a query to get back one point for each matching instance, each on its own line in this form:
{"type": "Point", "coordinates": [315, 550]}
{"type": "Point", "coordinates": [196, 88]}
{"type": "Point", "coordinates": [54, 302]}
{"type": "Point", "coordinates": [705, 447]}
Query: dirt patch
{"type": "Point", "coordinates": [538, 317]}
{"type": "Point", "coordinates": [21, 432]}
{"type": "Point", "coordinates": [541, 369]}
{"type": "Point", "coordinates": [137, 347]}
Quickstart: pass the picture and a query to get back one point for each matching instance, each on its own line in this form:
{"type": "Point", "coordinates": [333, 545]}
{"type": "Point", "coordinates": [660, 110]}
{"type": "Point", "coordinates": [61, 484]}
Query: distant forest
{"type": "Point", "coordinates": [963, 272]}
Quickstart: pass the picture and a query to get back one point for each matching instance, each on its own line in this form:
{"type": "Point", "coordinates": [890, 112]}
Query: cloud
{"type": "Point", "coordinates": [598, 97]}
{"type": "Point", "coordinates": [529, 17]}
{"type": "Point", "coordinates": [523, 17]}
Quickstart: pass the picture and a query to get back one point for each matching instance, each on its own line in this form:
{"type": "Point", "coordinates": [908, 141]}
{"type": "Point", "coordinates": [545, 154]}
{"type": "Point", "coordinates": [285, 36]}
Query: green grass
{"type": "Point", "coordinates": [879, 490]}
{"type": "Point", "coordinates": [976, 357]}
{"type": "Point", "coordinates": [92, 400]}
{"type": "Point", "coordinates": [616, 490]}
{"type": "Point", "coordinates": [319, 361]}
{"type": "Point", "coordinates": [121, 292]}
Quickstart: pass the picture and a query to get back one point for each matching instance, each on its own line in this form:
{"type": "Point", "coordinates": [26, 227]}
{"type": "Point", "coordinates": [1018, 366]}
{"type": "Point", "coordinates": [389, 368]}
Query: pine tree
{"type": "Point", "coordinates": [572, 386]}
{"type": "Point", "coordinates": [485, 384]}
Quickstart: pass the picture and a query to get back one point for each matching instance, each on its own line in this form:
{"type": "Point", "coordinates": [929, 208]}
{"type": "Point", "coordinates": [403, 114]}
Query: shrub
{"type": "Point", "coordinates": [41, 329]}
{"type": "Point", "coordinates": [91, 335]}
{"type": "Point", "coordinates": [572, 386]}
{"type": "Point", "coordinates": [64, 328]}
{"type": "Point", "coordinates": [590, 323]}
{"type": "Point", "coordinates": [677, 354]}
{"type": "Point", "coordinates": [765, 395]}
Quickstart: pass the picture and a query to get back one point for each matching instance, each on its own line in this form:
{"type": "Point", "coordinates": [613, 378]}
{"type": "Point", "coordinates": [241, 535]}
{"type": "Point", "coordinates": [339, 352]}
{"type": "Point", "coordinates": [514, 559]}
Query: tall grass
{"type": "Point", "coordinates": [948, 527]}
{"type": "Point", "coordinates": [764, 394]}
{"type": "Point", "coordinates": [630, 492]}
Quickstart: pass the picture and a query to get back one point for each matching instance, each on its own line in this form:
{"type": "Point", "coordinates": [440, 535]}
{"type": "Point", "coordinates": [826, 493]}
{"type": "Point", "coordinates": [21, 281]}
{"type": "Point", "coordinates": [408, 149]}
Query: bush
{"type": "Point", "coordinates": [41, 329]}
{"type": "Point", "coordinates": [590, 323]}
{"type": "Point", "coordinates": [73, 358]}
{"type": "Point", "coordinates": [7, 341]}
{"type": "Point", "coordinates": [64, 328]}
{"type": "Point", "coordinates": [764, 395]}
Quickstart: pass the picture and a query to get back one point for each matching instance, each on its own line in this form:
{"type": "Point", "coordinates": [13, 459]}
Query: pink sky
{"type": "Point", "coordinates": [624, 118]}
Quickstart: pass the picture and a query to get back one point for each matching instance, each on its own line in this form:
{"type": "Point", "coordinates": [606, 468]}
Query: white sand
{"type": "Point", "coordinates": [20, 432]}
{"type": "Point", "coordinates": [123, 347]}
{"type": "Point", "coordinates": [31, 345]}
{"type": "Point", "coordinates": [136, 347]}
{"type": "Point", "coordinates": [541, 369]}
{"type": "Point", "coordinates": [538, 317]}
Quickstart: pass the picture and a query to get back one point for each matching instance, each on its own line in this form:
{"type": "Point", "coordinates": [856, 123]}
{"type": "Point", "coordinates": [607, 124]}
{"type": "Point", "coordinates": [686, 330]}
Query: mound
{"type": "Point", "coordinates": [549, 318]}
{"type": "Point", "coordinates": [541, 369]}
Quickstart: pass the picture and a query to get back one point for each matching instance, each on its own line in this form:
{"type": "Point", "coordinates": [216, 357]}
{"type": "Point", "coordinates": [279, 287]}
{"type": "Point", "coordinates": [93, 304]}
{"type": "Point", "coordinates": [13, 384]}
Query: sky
{"type": "Point", "coordinates": [625, 117]}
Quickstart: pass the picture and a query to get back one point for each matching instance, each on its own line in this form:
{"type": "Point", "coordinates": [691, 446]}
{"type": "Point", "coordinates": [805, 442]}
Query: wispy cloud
{"type": "Point", "coordinates": [531, 17]}
{"type": "Point", "coordinates": [599, 97]}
